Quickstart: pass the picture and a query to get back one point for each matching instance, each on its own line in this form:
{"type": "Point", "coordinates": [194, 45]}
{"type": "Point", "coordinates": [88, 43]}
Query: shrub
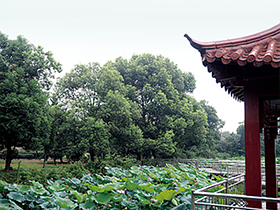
{"type": "Point", "coordinates": [223, 155]}
{"type": "Point", "coordinates": [110, 161]}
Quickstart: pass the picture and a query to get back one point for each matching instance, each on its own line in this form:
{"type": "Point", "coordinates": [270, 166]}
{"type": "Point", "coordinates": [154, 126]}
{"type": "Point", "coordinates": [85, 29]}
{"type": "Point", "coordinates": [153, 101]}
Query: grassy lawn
{"type": "Point", "coordinates": [33, 170]}
{"type": "Point", "coordinates": [24, 164]}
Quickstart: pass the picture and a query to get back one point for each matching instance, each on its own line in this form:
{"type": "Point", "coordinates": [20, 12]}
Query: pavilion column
{"type": "Point", "coordinates": [270, 166]}
{"type": "Point", "coordinates": [252, 144]}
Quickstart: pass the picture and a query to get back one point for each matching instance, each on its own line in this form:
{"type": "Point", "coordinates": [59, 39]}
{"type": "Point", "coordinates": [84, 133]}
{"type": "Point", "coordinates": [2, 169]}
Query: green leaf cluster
{"type": "Point", "coordinates": [26, 73]}
{"type": "Point", "coordinates": [140, 187]}
{"type": "Point", "coordinates": [139, 107]}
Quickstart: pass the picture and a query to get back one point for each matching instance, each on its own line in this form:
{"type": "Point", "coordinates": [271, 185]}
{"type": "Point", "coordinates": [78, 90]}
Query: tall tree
{"type": "Point", "coordinates": [94, 138]}
{"type": "Point", "coordinates": [77, 89]}
{"type": "Point", "coordinates": [59, 138]}
{"type": "Point", "coordinates": [144, 103]}
{"type": "Point", "coordinates": [233, 144]}
{"type": "Point", "coordinates": [190, 127]}
{"type": "Point", "coordinates": [160, 90]}
{"type": "Point", "coordinates": [94, 97]}
{"type": "Point", "coordinates": [154, 78]}
{"type": "Point", "coordinates": [120, 115]}
{"type": "Point", "coordinates": [213, 135]}
{"type": "Point", "coordinates": [241, 132]}
{"type": "Point", "coordinates": [25, 76]}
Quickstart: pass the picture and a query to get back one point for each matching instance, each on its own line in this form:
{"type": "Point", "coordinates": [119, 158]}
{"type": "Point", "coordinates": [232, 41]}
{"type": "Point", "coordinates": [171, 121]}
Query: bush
{"type": "Point", "coordinates": [158, 162]}
{"type": "Point", "coordinates": [110, 161]}
{"type": "Point", "coordinates": [85, 158]}
{"type": "Point", "coordinates": [223, 155]}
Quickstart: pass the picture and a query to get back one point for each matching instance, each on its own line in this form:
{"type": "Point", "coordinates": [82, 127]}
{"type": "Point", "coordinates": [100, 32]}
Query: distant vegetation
{"type": "Point", "coordinates": [137, 108]}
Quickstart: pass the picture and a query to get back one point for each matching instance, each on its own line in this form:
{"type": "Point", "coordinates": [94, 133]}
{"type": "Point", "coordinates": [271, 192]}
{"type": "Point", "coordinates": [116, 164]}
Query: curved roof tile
{"type": "Point", "coordinates": [260, 48]}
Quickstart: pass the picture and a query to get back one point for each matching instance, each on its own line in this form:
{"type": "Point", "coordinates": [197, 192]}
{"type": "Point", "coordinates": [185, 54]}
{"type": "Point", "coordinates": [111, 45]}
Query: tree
{"type": "Point", "coordinates": [213, 135]}
{"type": "Point", "coordinates": [120, 115]}
{"type": "Point", "coordinates": [160, 90]}
{"type": "Point", "coordinates": [95, 137]}
{"type": "Point", "coordinates": [43, 139]}
{"type": "Point", "coordinates": [94, 97]}
{"type": "Point", "coordinates": [25, 76]}
{"type": "Point", "coordinates": [58, 140]}
{"type": "Point", "coordinates": [77, 89]}
{"type": "Point", "coordinates": [190, 127]}
{"type": "Point", "coordinates": [143, 102]}
{"type": "Point", "coordinates": [241, 132]}
{"type": "Point", "coordinates": [233, 144]}
{"type": "Point", "coordinates": [109, 79]}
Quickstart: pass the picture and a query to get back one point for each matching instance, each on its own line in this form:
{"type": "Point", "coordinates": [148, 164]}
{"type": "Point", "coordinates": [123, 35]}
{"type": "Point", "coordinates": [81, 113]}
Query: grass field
{"type": "Point", "coordinates": [26, 164]}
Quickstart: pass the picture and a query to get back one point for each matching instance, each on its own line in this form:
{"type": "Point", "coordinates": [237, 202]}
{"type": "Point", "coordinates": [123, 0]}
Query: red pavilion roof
{"type": "Point", "coordinates": [258, 49]}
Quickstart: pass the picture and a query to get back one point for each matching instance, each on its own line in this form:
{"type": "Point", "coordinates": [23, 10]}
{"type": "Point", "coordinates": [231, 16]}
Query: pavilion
{"type": "Point", "coordinates": [248, 68]}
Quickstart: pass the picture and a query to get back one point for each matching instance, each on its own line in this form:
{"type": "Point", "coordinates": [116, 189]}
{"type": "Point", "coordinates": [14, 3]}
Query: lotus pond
{"type": "Point", "coordinates": [141, 187]}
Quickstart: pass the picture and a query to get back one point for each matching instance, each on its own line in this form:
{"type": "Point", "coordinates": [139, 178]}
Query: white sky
{"type": "Point", "coordinates": [83, 31]}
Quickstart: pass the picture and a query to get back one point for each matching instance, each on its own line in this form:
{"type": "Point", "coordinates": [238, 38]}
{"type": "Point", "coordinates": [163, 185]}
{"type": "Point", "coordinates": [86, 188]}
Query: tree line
{"type": "Point", "coordinates": [233, 144]}
{"type": "Point", "coordinates": [141, 107]}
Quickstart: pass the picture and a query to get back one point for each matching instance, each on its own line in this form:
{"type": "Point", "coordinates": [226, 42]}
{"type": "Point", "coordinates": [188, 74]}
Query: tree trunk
{"type": "Point", "coordinates": [139, 156]}
{"type": "Point", "coordinates": [154, 155]}
{"type": "Point", "coordinates": [8, 159]}
{"type": "Point", "coordinates": [92, 156]}
{"type": "Point", "coordinates": [54, 158]}
{"type": "Point", "coordinates": [45, 158]}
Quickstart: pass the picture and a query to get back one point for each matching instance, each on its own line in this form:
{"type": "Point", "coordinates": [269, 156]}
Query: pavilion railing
{"type": "Point", "coordinates": [230, 167]}
{"type": "Point", "coordinates": [216, 195]}
{"type": "Point", "coordinates": [224, 195]}
{"type": "Point", "coordinates": [212, 166]}
{"type": "Point", "coordinates": [227, 194]}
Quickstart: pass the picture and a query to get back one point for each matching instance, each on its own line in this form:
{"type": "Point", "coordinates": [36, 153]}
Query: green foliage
{"type": "Point", "coordinates": [95, 137]}
{"type": "Point", "coordinates": [138, 107]}
{"type": "Point", "coordinates": [76, 89]}
{"type": "Point", "coordinates": [159, 89]}
{"type": "Point", "coordinates": [140, 187]}
{"type": "Point", "coordinates": [98, 165]}
{"type": "Point", "coordinates": [233, 144]}
{"type": "Point", "coordinates": [39, 174]}
{"type": "Point", "coordinates": [213, 136]}
{"type": "Point", "coordinates": [25, 76]}
{"type": "Point", "coordinates": [60, 133]}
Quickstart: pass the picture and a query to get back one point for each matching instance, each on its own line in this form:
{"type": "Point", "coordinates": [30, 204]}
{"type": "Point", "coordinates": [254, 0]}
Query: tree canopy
{"type": "Point", "coordinates": [25, 77]}
{"type": "Point", "coordinates": [141, 107]}
{"type": "Point", "coordinates": [143, 103]}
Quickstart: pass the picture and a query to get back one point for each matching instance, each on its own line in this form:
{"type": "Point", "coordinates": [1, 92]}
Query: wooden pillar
{"type": "Point", "coordinates": [270, 166]}
{"type": "Point", "coordinates": [252, 144]}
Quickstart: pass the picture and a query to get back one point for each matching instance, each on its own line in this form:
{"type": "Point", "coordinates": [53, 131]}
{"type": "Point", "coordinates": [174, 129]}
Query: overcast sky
{"type": "Point", "coordinates": [83, 31]}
